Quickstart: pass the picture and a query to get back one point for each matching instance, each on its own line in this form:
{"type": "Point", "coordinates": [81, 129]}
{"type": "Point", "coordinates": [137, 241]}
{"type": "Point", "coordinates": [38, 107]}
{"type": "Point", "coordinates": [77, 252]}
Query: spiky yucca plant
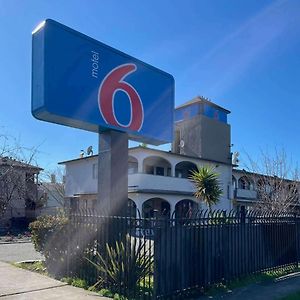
{"type": "Point", "coordinates": [207, 185]}
{"type": "Point", "coordinates": [123, 264]}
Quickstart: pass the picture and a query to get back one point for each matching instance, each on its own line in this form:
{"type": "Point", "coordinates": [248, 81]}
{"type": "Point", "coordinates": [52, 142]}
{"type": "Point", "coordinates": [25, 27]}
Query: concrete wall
{"type": "Point", "coordinates": [155, 182]}
{"type": "Point", "coordinates": [205, 138]}
{"type": "Point", "coordinates": [79, 177]}
{"type": "Point", "coordinates": [245, 194]}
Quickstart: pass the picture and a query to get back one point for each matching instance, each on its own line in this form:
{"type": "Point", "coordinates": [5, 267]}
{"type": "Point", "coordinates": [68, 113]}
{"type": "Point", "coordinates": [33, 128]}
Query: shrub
{"type": "Point", "coordinates": [122, 265]}
{"type": "Point", "coordinates": [49, 238]}
{"type": "Point", "coordinates": [110, 294]}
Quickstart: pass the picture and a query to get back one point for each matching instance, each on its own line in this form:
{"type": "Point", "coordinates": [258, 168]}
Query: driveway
{"type": "Point", "coordinates": [15, 252]}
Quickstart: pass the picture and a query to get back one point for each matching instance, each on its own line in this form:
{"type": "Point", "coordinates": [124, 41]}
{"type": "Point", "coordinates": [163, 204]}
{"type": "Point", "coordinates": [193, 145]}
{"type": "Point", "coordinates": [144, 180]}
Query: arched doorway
{"type": "Point", "coordinates": [131, 208]}
{"type": "Point", "coordinates": [156, 207]}
{"type": "Point", "coordinates": [184, 169]}
{"type": "Point", "coordinates": [245, 183]}
{"type": "Point", "coordinates": [234, 182]}
{"type": "Point", "coordinates": [156, 165]}
{"type": "Point", "coordinates": [185, 208]}
{"type": "Point", "coordinates": [132, 165]}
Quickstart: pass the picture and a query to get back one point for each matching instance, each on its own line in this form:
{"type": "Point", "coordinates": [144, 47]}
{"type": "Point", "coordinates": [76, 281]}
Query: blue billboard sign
{"type": "Point", "coordinates": [83, 83]}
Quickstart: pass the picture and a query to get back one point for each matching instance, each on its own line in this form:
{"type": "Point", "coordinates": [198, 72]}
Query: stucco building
{"type": "Point", "coordinates": [158, 180]}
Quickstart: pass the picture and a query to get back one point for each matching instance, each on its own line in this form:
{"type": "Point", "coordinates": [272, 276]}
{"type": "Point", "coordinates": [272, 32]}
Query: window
{"type": "Point", "coordinates": [132, 167]}
{"type": "Point", "coordinates": [169, 172]}
{"type": "Point", "coordinates": [74, 204]}
{"type": "Point", "coordinates": [30, 177]}
{"type": "Point", "coordinates": [149, 170]}
{"type": "Point", "coordinates": [244, 184]}
{"type": "Point", "coordinates": [160, 171]}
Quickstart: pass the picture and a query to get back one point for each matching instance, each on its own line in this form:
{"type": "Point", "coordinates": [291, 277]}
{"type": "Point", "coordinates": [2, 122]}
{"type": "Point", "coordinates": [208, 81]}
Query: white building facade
{"type": "Point", "coordinates": [158, 181]}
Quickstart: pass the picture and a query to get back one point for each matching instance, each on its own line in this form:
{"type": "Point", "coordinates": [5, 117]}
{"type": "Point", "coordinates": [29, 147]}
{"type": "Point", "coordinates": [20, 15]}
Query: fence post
{"type": "Point", "coordinates": [157, 258]}
{"type": "Point", "coordinates": [68, 240]}
{"type": "Point", "coordinates": [243, 214]}
{"type": "Point", "coordinates": [296, 241]}
{"type": "Point", "coordinates": [225, 247]}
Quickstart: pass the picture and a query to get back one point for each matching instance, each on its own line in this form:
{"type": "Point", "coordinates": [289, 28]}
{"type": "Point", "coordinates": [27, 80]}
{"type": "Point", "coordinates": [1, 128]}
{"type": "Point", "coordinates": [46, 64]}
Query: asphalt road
{"type": "Point", "coordinates": [18, 252]}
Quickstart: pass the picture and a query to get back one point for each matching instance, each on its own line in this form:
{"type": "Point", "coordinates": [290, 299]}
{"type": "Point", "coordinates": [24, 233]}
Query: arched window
{"type": "Point", "coordinates": [234, 182]}
{"type": "Point", "coordinates": [156, 165]}
{"type": "Point", "coordinates": [245, 184]}
{"type": "Point", "coordinates": [184, 169]}
{"type": "Point", "coordinates": [132, 165]}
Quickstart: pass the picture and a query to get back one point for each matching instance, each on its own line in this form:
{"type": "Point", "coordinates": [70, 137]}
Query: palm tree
{"type": "Point", "coordinates": [207, 185]}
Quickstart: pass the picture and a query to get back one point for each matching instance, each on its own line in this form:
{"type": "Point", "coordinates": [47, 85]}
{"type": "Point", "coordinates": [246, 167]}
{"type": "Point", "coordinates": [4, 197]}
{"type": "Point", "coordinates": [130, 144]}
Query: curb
{"type": "Point", "coordinates": [15, 242]}
{"type": "Point", "coordinates": [292, 275]}
{"type": "Point", "coordinates": [28, 261]}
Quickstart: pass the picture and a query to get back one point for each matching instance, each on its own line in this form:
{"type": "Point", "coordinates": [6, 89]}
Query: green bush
{"type": "Point", "coordinates": [49, 235]}
{"type": "Point", "coordinates": [122, 265]}
{"type": "Point", "coordinates": [81, 283]}
{"type": "Point", "coordinates": [110, 294]}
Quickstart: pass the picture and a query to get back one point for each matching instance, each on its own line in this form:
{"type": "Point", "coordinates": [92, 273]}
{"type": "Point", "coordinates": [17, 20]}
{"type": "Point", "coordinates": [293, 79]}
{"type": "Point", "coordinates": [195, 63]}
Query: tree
{"type": "Point", "coordinates": [16, 171]}
{"type": "Point", "coordinates": [11, 186]}
{"type": "Point", "coordinates": [276, 179]}
{"type": "Point", "coordinates": [207, 185]}
{"type": "Point", "coordinates": [53, 186]}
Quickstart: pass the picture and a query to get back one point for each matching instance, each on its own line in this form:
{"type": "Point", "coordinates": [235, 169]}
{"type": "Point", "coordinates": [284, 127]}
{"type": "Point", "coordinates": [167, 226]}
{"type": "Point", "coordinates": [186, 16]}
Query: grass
{"type": "Point", "coordinates": [39, 267]}
{"type": "Point", "coordinates": [252, 279]}
{"type": "Point", "coordinates": [77, 282]}
{"type": "Point", "coordinates": [36, 266]}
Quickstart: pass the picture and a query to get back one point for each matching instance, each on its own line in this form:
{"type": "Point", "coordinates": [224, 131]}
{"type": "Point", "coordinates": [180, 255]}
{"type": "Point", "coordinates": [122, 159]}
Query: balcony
{"type": "Point", "coordinates": [148, 182]}
{"type": "Point", "coordinates": [245, 194]}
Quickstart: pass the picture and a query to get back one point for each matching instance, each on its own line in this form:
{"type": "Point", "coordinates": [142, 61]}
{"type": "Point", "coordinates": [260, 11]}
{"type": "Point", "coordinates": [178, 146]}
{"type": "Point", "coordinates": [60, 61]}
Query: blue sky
{"type": "Point", "coordinates": [244, 55]}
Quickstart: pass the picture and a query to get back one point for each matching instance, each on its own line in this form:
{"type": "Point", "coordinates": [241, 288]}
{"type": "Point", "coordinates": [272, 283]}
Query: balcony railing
{"type": "Point", "coordinates": [141, 181]}
{"type": "Point", "coordinates": [245, 194]}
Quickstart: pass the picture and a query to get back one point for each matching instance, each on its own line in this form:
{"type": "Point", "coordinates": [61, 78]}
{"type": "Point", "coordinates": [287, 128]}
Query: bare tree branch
{"type": "Point", "coordinates": [276, 180]}
{"type": "Point", "coordinates": [16, 172]}
{"type": "Point", "coordinates": [52, 183]}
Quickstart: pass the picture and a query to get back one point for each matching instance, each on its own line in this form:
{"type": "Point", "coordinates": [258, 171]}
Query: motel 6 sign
{"type": "Point", "coordinates": [80, 82]}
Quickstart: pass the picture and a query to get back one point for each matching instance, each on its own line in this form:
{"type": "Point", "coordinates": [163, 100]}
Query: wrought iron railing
{"type": "Point", "coordinates": [163, 258]}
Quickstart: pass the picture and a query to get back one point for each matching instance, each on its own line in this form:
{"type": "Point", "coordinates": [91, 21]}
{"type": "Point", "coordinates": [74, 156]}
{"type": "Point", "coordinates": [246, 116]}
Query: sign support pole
{"type": "Point", "coordinates": [113, 173]}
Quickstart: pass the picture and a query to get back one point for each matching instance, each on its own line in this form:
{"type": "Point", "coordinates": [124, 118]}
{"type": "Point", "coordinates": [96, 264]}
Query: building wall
{"type": "Point", "coordinates": [243, 196]}
{"type": "Point", "coordinates": [19, 182]}
{"type": "Point", "coordinates": [80, 177]}
{"type": "Point", "coordinates": [81, 180]}
{"type": "Point", "coordinates": [203, 137]}
{"type": "Point", "coordinates": [53, 195]}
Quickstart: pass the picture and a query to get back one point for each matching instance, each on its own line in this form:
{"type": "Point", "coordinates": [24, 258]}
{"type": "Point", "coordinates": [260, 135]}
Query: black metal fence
{"type": "Point", "coordinates": [166, 258]}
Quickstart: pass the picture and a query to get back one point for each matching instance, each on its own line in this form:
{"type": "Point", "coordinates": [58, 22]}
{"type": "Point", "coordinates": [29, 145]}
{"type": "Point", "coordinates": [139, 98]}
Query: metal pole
{"type": "Point", "coordinates": [113, 173]}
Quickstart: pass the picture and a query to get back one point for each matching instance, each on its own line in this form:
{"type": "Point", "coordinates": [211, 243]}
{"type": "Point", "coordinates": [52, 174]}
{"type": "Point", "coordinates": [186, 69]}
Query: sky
{"type": "Point", "coordinates": [243, 55]}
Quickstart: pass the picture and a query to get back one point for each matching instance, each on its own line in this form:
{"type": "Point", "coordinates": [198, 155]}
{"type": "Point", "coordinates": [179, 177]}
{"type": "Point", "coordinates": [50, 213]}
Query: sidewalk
{"type": "Point", "coordinates": [20, 284]}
